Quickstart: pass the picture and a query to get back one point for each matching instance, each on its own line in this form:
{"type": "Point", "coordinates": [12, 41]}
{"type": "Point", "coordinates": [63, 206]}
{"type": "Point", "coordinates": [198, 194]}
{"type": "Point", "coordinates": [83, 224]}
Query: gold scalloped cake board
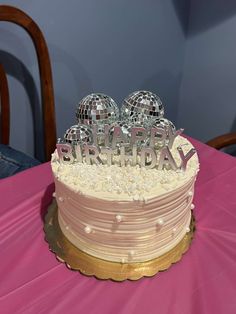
{"type": "Point", "coordinates": [91, 266]}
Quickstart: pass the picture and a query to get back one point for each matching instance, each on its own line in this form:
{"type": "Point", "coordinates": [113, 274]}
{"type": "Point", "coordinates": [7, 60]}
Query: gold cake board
{"type": "Point", "coordinates": [75, 259]}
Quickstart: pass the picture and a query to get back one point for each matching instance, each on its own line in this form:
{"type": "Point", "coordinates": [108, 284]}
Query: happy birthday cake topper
{"type": "Point", "coordinates": [139, 135]}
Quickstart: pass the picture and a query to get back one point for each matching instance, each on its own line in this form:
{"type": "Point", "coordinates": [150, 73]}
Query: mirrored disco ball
{"type": "Point", "coordinates": [97, 109]}
{"type": "Point", "coordinates": [78, 134]}
{"type": "Point", "coordinates": [164, 123]}
{"type": "Point", "coordinates": [139, 120]}
{"type": "Point", "coordinates": [125, 128]}
{"type": "Point", "coordinates": [145, 103]}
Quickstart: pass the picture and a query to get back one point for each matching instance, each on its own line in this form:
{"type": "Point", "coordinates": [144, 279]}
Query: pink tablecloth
{"type": "Point", "coordinates": [33, 281]}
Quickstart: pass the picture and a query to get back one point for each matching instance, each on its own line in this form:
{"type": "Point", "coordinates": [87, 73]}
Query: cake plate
{"type": "Point", "coordinates": [88, 265]}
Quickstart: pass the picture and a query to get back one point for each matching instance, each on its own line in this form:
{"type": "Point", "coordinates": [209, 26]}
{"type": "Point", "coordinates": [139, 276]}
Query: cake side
{"type": "Point", "coordinates": [131, 231]}
{"type": "Point", "coordinates": [125, 214]}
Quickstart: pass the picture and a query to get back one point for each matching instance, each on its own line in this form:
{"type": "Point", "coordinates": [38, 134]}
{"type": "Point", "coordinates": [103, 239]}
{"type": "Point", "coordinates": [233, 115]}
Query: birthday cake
{"type": "Point", "coordinates": [124, 181]}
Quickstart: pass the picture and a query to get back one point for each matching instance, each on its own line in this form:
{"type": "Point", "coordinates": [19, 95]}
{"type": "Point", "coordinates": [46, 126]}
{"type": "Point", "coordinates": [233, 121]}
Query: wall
{"type": "Point", "coordinates": [114, 47]}
{"type": "Point", "coordinates": [207, 105]}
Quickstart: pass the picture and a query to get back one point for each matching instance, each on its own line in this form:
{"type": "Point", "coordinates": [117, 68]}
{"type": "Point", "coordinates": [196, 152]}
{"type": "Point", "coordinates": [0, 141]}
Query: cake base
{"type": "Point", "coordinates": [88, 265]}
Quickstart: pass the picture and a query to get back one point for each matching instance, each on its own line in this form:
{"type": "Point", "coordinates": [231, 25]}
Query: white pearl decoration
{"type": "Point", "coordinates": [160, 222]}
{"type": "Point", "coordinates": [174, 231]}
{"type": "Point", "coordinates": [54, 194]}
{"type": "Point", "coordinates": [119, 218]}
{"type": "Point", "coordinates": [67, 227]}
{"type": "Point", "coordinates": [60, 198]}
{"type": "Point", "coordinates": [190, 193]}
{"type": "Point", "coordinates": [123, 260]}
{"type": "Point", "coordinates": [187, 229]}
{"type": "Point", "coordinates": [131, 253]}
{"type": "Point", "coordinates": [192, 206]}
{"type": "Point", "coordinates": [87, 229]}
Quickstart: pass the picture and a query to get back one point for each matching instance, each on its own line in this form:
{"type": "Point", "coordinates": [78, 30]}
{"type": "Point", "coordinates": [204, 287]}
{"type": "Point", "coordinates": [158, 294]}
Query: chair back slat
{"type": "Point", "coordinates": [223, 141]}
{"type": "Point", "coordinates": [16, 16]}
{"type": "Point", "coordinates": [4, 108]}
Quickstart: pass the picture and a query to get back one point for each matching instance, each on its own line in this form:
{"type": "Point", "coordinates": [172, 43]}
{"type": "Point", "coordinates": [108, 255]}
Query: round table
{"type": "Point", "coordinates": [33, 281]}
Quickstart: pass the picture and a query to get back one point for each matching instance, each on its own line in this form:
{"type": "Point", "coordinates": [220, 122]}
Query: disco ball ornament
{"type": "Point", "coordinates": [167, 126]}
{"type": "Point", "coordinates": [164, 124]}
{"type": "Point", "coordinates": [146, 105]}
{"type": "Point", "coordinates": [139, 120]}
{"type": "Point", "coordinates": [125, 128]}
{"type": "Point", "coordinates": [78, 134]}
{"type": "Point", "coordinates": [97, 109]}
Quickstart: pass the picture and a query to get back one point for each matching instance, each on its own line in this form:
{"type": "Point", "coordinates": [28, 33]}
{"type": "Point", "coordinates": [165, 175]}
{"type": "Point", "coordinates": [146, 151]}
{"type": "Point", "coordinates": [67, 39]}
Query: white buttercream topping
{"type": "Point", "coordinates": [129, 182]}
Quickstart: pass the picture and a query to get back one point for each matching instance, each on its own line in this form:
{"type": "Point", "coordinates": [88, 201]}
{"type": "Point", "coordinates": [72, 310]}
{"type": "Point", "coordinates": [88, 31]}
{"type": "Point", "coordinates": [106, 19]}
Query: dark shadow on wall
{"type": "Point", "coordinates": [15, 68]}
{"type": "Point", "coordinates": [205, 14]}
{"type": "Point", "coordinates": [161, 84]}
{"type": "Point", "coordinates": [182, 10]}
{"type": "Point", "coordinates": [80, 77]}
{"type": "Point", "coordinates": [76, 75]}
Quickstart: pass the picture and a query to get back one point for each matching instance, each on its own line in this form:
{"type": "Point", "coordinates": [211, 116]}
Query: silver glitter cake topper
{"type": "Point", "coordinates": [78, 134]}
{"type": "Point", "coordinates": [141, 137]}
{"type": "Point", "coordinates": [97, 109]}
{"type": "Point", "coordinates": [144, 106]}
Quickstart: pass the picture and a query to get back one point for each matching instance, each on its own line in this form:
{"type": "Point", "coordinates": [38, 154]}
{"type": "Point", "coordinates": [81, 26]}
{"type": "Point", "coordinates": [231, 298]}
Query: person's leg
{"type": "Point", "coordinates": [13, 161]}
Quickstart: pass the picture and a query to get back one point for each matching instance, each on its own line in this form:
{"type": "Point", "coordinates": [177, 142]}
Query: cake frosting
{"type": "Point", "coordinates": [125, 214]}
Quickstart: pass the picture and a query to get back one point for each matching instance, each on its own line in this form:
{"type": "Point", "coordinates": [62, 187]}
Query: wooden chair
{"type": "Point", "coordinates": [16, 16]}
{"type": "Point", "coordinates": [222, 141]}
{"type": "Point", "coordinates": [4, 109]}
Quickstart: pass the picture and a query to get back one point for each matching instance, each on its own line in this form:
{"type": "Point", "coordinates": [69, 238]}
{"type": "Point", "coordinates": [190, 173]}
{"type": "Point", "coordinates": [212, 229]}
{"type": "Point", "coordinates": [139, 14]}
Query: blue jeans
{"type": "Point", "coordinates": [13, 161]}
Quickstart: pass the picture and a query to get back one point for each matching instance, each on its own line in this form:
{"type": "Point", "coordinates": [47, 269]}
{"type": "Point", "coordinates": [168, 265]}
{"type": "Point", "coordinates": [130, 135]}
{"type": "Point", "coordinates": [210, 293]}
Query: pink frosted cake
{"type": "Point", "coordinates": [124, 208]}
